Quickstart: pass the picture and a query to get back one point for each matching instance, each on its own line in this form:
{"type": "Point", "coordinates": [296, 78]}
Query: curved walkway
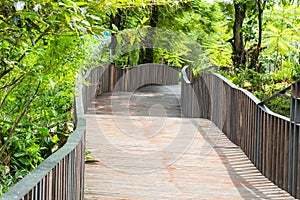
{"type": "Point", "coordinates": [146, 150]}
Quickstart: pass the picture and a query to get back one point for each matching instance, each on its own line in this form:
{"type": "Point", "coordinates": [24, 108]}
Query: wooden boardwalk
{"type": "Point", "coordinates": [146, 150]}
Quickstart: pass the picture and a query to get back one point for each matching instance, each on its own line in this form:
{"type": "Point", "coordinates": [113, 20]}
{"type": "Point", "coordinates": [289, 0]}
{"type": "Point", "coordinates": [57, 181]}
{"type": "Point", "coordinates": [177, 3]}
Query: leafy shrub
{"type": "Point", "coordinates": [264, 85]}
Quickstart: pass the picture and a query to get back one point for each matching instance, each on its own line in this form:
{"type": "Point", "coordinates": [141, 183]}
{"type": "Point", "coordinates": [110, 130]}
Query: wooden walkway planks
{"type": "Point", "coordinates": [159, 155]}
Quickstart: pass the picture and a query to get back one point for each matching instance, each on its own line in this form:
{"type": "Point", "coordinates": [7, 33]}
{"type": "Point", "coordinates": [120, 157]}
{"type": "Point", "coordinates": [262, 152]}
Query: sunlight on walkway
{"type": "Point", "coordinates": [147, 151]}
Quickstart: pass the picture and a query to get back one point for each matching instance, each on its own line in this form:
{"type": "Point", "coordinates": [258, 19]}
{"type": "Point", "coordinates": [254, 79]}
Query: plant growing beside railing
{"type": "Point", "coordinates": [61, 175]}
{"type": "Point", "coordinates": [41, 51]}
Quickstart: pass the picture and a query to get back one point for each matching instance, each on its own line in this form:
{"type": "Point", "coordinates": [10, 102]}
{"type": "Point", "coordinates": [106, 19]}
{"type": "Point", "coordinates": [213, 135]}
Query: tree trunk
{"type": "Point", "coordinates": [149, 53]}
{"type": "Point", "coordinates": [141, 56]}
{"type": "Point", "coordinates": [238, 47]}
{"type": "Point", "coordinates": [115, 20]}
{"type": "Point", "coordinates": [256, 51]}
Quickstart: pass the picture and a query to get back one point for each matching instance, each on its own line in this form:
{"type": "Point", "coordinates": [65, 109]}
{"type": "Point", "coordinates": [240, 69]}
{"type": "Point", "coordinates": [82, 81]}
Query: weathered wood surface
{"type": "Point", "coordinates": [147, 151]}
{"type": "Point", "coordinates": [269, 140]}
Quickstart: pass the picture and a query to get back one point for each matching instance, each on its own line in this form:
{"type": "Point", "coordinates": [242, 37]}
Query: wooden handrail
{"type": "Point", "coordinates": [60, 176]}
{"type": "Point", "coordinates": [268, 139]}
{"type": "Point", "coordinates": [281, 92]}
{"type": "Point", "coordinates": [184, 75]}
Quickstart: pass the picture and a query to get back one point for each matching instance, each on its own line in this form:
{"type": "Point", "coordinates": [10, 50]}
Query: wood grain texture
{"type": "Point", "coordinates": [150, 153]}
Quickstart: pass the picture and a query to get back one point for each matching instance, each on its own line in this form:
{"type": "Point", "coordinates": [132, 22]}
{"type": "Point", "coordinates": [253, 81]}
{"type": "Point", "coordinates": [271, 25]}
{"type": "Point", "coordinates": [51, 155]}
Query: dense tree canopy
{"type": "Point", "coordinates": [45, 43]}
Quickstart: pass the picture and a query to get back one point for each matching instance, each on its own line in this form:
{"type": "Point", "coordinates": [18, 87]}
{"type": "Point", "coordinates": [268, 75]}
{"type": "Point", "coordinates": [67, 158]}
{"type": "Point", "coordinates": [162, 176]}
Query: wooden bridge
{"type": "Point", "coordinates": [153, 139]}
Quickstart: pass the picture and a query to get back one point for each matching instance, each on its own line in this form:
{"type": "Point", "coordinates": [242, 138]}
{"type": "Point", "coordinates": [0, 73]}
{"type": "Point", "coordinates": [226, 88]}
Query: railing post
{"type": "Point", "coordinates": [257, 138]}
{"type": "Point", "coordinates": [233, 116]}
{"type": "Point", "coordinates": [111, 77]}
{"type": "Point", "coordinates": [201, 98]}
{"type": "Point", "coordinates": [294, 139]}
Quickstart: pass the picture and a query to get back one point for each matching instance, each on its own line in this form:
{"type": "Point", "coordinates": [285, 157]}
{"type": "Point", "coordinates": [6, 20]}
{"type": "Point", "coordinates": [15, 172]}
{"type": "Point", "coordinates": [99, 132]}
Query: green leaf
{"type": "Point", "coordinates": [119, 38]}
{"type": "Point", "coordinates": [25, 161]}
{"type": "Point", "coordinates": [81, 3]}
{"type": "Point", "coordinates": [20, 154]}
{"type": "Point", "coordinates": [132, 39]}
{"type": "Point", "coordinates": [52, 84]}
{"type": "Point", "coordinates": [115, 28]}
{"type": "Point", "coordinates": [86, 23]}
{"type": "Point", "coordinates": [90, 159]}
{"type": "Point", "coordinates": [55, 139]}
{"type": "Point", "coordinates": [43, 131]}
{"type": "Point", "coordinates": [144, 20]}
{"type": "Point", "coordinates": [94, 17]}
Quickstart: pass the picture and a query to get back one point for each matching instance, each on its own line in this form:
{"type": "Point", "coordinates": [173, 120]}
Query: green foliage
{"type": "Point", "coordinates": [265, 85]}
{"type": "Point", "coordinates": [39, 108]}
{"type": "Point", "coordinates": [45, 43]}
{"type": "Point", "coordinates": [217, 50]}
{"type": "Point", "coordinates": [41, 51]}
{"type": "Point", "coordinates": [192, 29]}
{"type": "Point", "coordinates": [281, 36]}
{"type": "Point", "coordinates": [89, 158]}
{"type": "Point", "coordinates": [279, 41]}
{"type": "Point", "coordinates": [278, 60]}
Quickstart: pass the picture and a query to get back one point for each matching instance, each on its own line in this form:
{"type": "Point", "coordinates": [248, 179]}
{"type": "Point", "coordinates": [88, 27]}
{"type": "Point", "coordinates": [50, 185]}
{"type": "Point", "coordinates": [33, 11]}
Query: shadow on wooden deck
{"type": "Point", "coordinates": [146, 150]}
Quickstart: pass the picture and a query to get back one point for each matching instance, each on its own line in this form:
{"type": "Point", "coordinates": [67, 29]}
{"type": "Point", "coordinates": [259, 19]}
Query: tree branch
{"type": "Point", "coordinates": [15, 81]}
{"type": "Point", "coordinates": [46, 31]}
{"type": "Point", "coordinates": [6, 71]}
{"type": "Point", "coordinates": [13, 128]}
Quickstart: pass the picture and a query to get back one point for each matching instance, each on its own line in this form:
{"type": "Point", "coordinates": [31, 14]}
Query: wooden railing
{"type": "Point", "coordinates": [112, 79]}
{"type": "Point", "coordinates": [130, 79]}
{"type": "Point", "coordinates": [269, 140]}
{"type": "Point", "coordinates": [109, 78]}
{"type": "Point", "coordinates": [61, 175]}
{"type": "Point", "coordinates": [97, 81]}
